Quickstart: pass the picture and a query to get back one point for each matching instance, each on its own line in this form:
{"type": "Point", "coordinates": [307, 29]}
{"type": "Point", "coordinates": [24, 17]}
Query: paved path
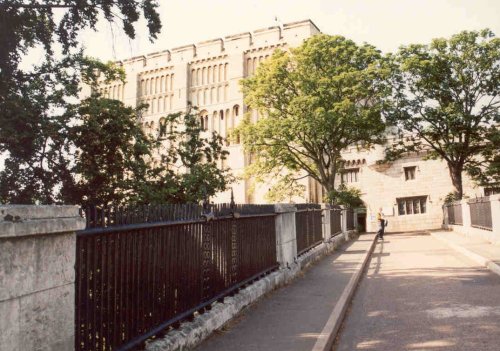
{"type": "Point", "coordinates": [420, 294]}
{"type": "Point", "coordinates": [291, 318]}
{"type": "Point", "coordinates": [478, 246]}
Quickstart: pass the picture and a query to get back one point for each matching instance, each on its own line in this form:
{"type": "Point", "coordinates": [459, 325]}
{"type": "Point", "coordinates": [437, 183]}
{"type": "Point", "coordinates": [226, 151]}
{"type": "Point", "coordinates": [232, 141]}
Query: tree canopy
{"type": "Point", "coordinates": [189, 164]}
{"type": "Point", "coordinates": [314, 101]}
{"type": "Point", "coordinates": [37, 104]}
{"type": "Point", "coordinates": [447, 97]}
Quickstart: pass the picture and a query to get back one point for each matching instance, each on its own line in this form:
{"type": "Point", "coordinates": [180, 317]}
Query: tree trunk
{"type": "Point", "coordinates": [456, 178]}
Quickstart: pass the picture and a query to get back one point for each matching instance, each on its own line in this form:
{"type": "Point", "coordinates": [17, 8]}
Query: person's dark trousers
{"type": "Point", "coordinates": [380, 232]}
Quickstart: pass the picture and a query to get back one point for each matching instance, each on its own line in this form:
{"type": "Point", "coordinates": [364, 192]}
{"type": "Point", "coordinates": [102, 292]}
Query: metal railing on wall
{"type": "Point", "coordinates": [308, 226]}
{"type": "Point", "coordinates": [335, 221]}
{"type": "Point", "coordinates": [142, 269]}
{"type": "Point", "coordinates": [480, 213]}
{"type": "Point", "coordinates": [349, 212]}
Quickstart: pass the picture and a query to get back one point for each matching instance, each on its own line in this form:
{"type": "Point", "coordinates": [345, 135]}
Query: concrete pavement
{"type": "Point", "coordinates": [420, 294]}
{"type": "Point", "coordinates": [292, 318]}
{"type": "Point", "coordinates": [481, 251]}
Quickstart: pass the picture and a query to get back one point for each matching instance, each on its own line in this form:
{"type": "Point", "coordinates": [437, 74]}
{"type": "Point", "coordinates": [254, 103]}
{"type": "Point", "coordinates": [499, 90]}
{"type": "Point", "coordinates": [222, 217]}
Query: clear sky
{"type": "Point", "coordinates": [386, 24]}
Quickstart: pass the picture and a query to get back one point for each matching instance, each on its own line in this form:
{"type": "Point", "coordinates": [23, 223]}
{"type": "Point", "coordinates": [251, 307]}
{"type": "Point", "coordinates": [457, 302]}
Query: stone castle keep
{"type": "Point", "coordinates": [207, 74]}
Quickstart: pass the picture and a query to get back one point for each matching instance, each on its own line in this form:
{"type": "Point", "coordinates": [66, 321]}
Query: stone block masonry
{"type": "Point", "coordinates": [37, 258]}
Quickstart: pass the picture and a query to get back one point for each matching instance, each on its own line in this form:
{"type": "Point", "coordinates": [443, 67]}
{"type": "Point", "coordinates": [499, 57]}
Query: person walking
{"type": "Point", "coordinates": [381, 224]}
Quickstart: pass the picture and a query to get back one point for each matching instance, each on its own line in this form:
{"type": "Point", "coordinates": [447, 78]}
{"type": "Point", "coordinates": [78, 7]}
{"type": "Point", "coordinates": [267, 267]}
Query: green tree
{"type": "Point", "coordinates": [111, 157]}
{"type": "Point", "coordinates": [343, 195]}
{"type": "Point", "coordinates": [34, 103]}
{"type": "Point", "coordinates": [446, 96]}
{"type": "Point", "coordinates": [190, 162]}
{"type": "Point", "coordinates": [315, 101]}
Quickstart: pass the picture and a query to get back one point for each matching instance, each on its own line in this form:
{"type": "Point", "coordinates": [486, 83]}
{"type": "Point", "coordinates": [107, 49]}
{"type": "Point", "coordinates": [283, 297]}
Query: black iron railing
{"type": "Point", "coordinates": [480, 213]}
{"type": "Point", "coordinates": [308, 226]}
{"type": "Point", "coordinates": [349, 212]}
{"type": "Point", "coordinates": [141, 270]}
{"type": "Point", "coordinates": [335, 221]}
{"type": "Point", "coordinates": [454, 213]}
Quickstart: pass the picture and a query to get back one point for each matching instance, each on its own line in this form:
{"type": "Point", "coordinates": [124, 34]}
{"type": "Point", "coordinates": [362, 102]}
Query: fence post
{"type": "Point", "coordinates": [466, 221]}
{"type": "Point", "coordinates": [327, 230]}
{"type": "Point", "coordinates": [344, 222]}
{"type": "Point", "coordinates": [495, 217]}
{"type": "Point", "coordinates": [445, 217]}
{"type": "Point", "coordinates": [286, 235]}
{"type": "Point", "coordinates": [37, 281]}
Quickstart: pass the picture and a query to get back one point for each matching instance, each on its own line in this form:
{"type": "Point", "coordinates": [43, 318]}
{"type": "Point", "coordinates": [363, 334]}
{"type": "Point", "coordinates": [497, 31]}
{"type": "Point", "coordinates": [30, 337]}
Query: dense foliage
{"type": "Point", "coordinates": [57, 149]}
{"type": "Point", "coordinates": [447, 97]}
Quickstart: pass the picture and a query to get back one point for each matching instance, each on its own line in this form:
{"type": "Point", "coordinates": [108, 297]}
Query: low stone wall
{"type": "Point", "coordinates": [37, 277]}
{"type": "Point", "coordinates": [37, 258]}
{"type": "Point", "coordinates": [193, 333]}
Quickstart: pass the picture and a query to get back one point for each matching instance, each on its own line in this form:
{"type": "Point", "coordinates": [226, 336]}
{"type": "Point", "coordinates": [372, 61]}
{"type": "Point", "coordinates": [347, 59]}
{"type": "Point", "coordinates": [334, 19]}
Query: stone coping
{"type": "Point", "coordinates": [26, 212]}
{"type": "Point", "coordinates": [26, 220]}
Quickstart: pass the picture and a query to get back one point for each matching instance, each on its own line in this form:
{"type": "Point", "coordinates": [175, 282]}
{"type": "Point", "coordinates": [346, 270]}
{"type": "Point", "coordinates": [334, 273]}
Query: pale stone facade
{"type": "Point", "coordinates": [393, 185]}
{"type": "Point", "coordinates": [207, 75]}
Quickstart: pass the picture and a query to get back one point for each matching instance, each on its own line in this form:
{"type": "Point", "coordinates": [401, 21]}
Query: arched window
{"type": "Point", "coordinates": [212, 95]}
{"type": "Point", "coordinates": [206, 121]}
{"type": "Point", "coordinates": [146, 88]}
{"type": "Point", "coordinates": [151, 86]}
{"type": "Point", "coordinates": [221, 72]}
{"type": "Point", "coordinates": [153, 106]}
{"type": "Point", "coordinates": [162, 84]}
{"type": "Point", "coordinates": [225, 71]}
{"type": "Point", "coordinates": [254, 64]}
{"type": "Point", "coordinates": [227, 126]}
{"type": "Point", "coordinates": [215, 122]}
{"type": "Point", "coordinates": [143, 87]}
{"type": "Point", "coordinates": [198, 76]}
{"type": "Point", "coordinates": [157, 83]}
{"type": "Point", "coordinates": [249, 66]}
{"type": "Point", "coordinates": [204, 76]}
{"type": "Point", "coordinates": [172, 82]}
{"type": "Point", "coordinates": [216, 73]}
{"type": "Point", "coordinates": [236, 110]}
{"type": "Point", "coordinates": [209, 75]}
{"type": "Point", "coordinates": [202, 123]}
{"type": "Point", "coordinates": [193, 77]}
{"type": "Point", "coordinates": [159, 106]}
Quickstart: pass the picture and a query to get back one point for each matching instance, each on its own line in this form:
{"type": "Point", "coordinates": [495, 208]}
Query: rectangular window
{"type": "Point", "coordinates": [350, 175]}
{"type": "Point", "coordinates": [410, 173]}
{"type": "Point", "coordinates": [412, 205]}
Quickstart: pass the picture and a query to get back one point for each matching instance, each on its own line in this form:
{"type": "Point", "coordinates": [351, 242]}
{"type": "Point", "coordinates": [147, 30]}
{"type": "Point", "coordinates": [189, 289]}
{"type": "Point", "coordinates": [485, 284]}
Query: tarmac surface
{"type": "Point", "coordinates": [420, 294]}
{"type": "Point", "coordinates": [291, 318]}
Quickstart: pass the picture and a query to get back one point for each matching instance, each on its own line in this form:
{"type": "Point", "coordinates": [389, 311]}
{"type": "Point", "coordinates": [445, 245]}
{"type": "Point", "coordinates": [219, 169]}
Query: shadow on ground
{"type": "Point", "coordinates": [420, 295]}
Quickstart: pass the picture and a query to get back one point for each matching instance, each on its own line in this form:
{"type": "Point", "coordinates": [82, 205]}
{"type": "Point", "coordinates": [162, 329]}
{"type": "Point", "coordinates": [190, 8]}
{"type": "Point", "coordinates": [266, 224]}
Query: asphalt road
{"type": "Point", "coordinates": [419, 294]}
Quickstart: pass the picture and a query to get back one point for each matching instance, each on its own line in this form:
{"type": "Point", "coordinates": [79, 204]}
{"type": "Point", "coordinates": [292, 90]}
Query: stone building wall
{"type": "Point", "coordinates": [385, 186]}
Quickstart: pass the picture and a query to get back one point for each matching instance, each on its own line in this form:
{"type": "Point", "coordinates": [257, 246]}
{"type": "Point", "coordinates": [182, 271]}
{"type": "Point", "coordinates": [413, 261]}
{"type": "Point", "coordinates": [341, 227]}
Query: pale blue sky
{"type": "Point", "coordinates": [384, 23]}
